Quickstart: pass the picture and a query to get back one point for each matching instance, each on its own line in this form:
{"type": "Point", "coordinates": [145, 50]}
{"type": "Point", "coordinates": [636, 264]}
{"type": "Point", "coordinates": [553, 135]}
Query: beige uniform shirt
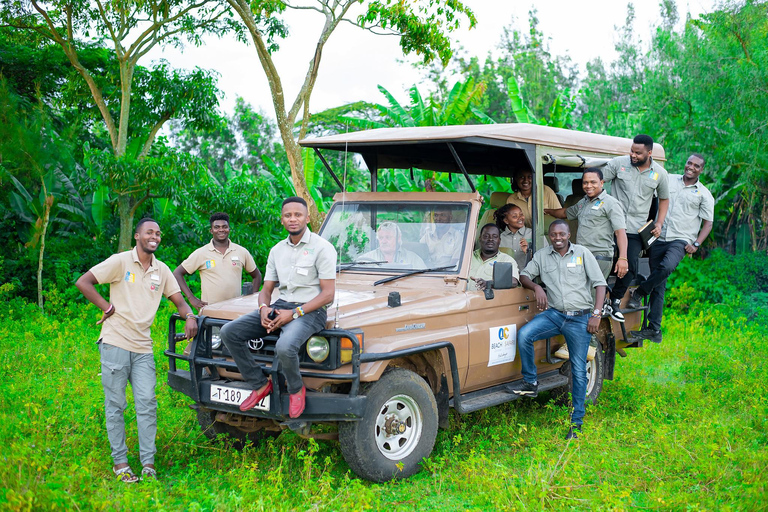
{"type": "Point", "coordinates": [598, 218]}
{"type": "Point", "coordinates": [510, 244]}
{"type": "Point", "coordinates": [136, 294]}
{"type": "Point", "coordinates": [688, 206]}
{"type": "Point", "coordinates": [403, 259]}
{"type": "Point", "coordinates": [635, 189]}
{"type": "Point", "coordinates": [569, 279]}
{"type": "Point", "coordinates": [550, 201]}
{"type": "Point", "coordinates": [221, 275]}
{"type": "Point", "coordinates": [446, 249]}
{"type": "Point", "coordinates": [299, 268]}
{"type": "Point", "coordinates": [484, 269]}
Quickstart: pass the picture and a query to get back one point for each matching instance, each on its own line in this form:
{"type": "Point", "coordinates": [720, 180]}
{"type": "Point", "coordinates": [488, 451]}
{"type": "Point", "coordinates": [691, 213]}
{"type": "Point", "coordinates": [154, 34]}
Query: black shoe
{"type": "Point", "coordinates": [635, 300]}
{"type": "Point", "coordinates": [527, 389]}
{"type": "Point", "coordinates": [616, 310]}
{"type": "Point", "coordinates": [645, 334]}
{"type": "Point", "coordinates": [573, 432]}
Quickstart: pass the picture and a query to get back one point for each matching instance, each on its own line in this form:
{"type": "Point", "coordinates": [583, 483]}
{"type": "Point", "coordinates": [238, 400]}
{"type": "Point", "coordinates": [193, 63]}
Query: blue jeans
{"type": "Point", "coordinates": [550, 323]}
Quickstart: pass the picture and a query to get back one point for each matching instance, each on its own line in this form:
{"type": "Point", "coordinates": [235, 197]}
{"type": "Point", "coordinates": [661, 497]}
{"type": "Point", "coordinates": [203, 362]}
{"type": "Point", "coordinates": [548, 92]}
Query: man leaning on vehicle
{"type": "Point", "coordinates": [569, 272]}
{"type": "Point", "coordinates": [303, 267]}
{"type": "Point", "coordinates": [137, 281]}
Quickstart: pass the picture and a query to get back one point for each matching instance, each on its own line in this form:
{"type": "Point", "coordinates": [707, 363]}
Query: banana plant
{"type": "Point", "coordinates": [314, 173]}
{"type": "Point", "coordinates": [559, 113]}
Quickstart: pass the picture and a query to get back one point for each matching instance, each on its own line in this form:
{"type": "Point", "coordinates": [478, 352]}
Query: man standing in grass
{"type": "Point", "coordinates": [137, 280]}
{"type": "Point", "coordinates": [303, 268]}
{"type": "Point", "coordinates": [569, 272]}
{"type": "Point", "coordinates": [221, 264]}
{"type": "Point", "coordinates": [691, 207]}
{"type": "Point", "coordinates": [636, 178]}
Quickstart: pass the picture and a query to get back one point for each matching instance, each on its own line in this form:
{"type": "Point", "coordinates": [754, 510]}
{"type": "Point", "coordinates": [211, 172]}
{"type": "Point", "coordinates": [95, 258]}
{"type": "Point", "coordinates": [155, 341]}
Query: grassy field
{"type": "Point", "coordinates": [684, 426]}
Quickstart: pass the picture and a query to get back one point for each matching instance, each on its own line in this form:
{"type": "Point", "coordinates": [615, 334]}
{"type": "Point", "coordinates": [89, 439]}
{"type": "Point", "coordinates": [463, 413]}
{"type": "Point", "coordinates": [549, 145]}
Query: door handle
{"type": "Point", "coordinates": [524, 308]}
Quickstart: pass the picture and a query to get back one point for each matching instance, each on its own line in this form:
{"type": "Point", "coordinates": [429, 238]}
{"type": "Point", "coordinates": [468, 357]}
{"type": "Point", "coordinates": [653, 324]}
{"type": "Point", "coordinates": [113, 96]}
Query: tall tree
{"type": "Point", "coordinates": [422, 26]}
{"type": "Point", "coordinates": [132, 28]}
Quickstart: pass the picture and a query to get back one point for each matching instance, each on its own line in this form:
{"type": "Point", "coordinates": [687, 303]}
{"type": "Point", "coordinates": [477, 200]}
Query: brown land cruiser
{"type": "Point", "coordinates": [405, 342]}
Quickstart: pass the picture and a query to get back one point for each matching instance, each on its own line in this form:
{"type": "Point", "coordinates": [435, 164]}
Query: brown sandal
{"type": "Point", "coordinates": [126, 475]}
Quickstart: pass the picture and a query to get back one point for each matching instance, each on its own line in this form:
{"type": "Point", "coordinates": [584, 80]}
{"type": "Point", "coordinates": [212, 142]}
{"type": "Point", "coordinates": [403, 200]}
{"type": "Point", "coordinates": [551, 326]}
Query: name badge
{"type": "Point", "coordinates": [155, 277]}
{"type": "Point", "coordinates": [302, 271]}
{"type": "Point", "coordinates": [570, 265]}
{"type": "Point", "coordinates": [597, 205]}
{"type": "Point", "coordinates": [235, 258]}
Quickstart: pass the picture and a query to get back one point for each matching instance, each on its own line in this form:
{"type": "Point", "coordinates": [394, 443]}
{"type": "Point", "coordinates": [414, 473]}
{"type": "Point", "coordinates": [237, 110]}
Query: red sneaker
{"type": "Point", "coordinates": [297, 403]}
{"type": "Point", "coordinates": [255, 397]}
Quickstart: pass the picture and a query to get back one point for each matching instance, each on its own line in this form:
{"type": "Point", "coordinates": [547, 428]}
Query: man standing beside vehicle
{"type": "Point", "coordinates": [569, 272]}
{"type": "Point", "coordinates": [688, 224]}
{"type": "Point", "coordinates": [221, 264]}
{"type": "Point", "coordinates": [483, 259]}
{"type": "Point", "coordinates": [137, 281]}
{"type": "Point", "coordinates": [303, 267]}
{"type": "Point", "coordinates": [636, 178]}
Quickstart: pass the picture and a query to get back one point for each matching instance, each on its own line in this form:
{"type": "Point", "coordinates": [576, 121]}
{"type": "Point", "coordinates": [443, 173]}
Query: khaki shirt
{"type": "Point", "coordinates": [444, 250]}
{"type": "Point", "coordinates": [221, 275]}
{"type": "Point", "coordinates": [510, 244]}
{"type": "Point", "coordinates": [550, 201]}
{"type": "Point", "coordinates": [598, 218]}
{"type": "Point", "coordinates": [635, 189]}
{"type": "Point", "coordinates": [569, 279]}
{"type": "Point", "coordinates": [403, 259]}
{"type": "Point", "coordinates": [135, 293]}
{"type": "Point", "coordinates": [484, 269]}
{"type": "Point", "coordinates": [688, 206]}
{"type": "Point", "coordinates": [299, 268]}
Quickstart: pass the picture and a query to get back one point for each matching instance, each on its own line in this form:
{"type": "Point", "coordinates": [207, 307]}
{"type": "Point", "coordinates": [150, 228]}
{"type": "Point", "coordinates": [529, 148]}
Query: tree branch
{"type": "Point", "coordinates": [153, 133]}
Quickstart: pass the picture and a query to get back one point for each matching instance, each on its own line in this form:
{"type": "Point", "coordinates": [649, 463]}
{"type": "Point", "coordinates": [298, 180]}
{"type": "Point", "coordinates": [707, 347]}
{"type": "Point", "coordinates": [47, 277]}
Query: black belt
{"type": "Point", "coordinates": [578, 312]}
{"type": "Point", "coordinates": [604, 258]}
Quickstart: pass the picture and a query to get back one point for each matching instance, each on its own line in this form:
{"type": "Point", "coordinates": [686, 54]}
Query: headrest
{"type": "Point", "coordinates": [551, 182]}
{"type": "Point", "coordinates": [498, 199]}
{"type": "Point", "coordinates": [576, 187]}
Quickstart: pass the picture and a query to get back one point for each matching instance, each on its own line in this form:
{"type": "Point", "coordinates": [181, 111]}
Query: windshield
{"type": "Point", "coordinates": [403, 236]}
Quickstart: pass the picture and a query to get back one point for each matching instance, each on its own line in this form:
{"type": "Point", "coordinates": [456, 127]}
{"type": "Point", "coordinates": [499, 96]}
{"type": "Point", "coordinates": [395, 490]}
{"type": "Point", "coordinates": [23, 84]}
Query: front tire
{"type": "Point", "coordinates": [397, 431]}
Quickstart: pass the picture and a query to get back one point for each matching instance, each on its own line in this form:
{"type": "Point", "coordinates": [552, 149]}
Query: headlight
{"type": "Point", "coordinates": [318, 348]}
{"type": "Point", "coordinates": [215, 338]}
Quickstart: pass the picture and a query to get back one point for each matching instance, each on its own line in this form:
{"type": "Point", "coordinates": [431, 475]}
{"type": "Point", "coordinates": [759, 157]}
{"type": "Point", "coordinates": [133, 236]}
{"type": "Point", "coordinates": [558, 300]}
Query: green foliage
{"type": "Point", "coordinates": [682, 427]}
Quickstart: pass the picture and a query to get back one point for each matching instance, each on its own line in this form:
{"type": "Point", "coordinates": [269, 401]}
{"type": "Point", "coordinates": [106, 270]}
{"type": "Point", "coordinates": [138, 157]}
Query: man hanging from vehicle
{"type": "Point", "coordinates": [221, 264]}
{"type": "Point", "coordinates": [137, 281]}
{"type": "Point", "coordinates": [303, 267]}
{"type": "Point", "coordinates": [570, 272]}
{"type": "Point", "coordinates": [688, 224]}
{"type": "Point", "coordinates": [636, 178]}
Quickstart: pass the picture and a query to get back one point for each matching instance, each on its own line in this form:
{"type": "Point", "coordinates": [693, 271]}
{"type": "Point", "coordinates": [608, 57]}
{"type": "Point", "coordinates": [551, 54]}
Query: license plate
{"type": "Point", "coordinates": [235, 396]}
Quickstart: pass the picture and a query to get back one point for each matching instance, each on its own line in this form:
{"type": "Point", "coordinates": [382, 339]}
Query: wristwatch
{"type": "Point", "coordinates": [298, 312]}
{"type": "Point", "coordinates": [696, 244]}
{"type": "Point", "coordinates": [597, 313]}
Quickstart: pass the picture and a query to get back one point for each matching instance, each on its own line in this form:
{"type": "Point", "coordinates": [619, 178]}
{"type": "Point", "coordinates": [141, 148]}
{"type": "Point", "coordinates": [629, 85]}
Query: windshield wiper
{"type": "Point", "coordinates": [412, 272]}
{"type": "Point", "coordinates": [348, 265]}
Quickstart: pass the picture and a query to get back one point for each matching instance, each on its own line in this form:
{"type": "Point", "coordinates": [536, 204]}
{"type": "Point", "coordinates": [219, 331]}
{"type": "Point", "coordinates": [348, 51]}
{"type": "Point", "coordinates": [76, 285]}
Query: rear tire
{"type": "Point", "coordinates": [233, 436]}
{"type": "Point", "coordinates": [397, 431]}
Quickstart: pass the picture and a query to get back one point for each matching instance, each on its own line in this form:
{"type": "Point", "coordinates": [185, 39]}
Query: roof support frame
{"type": "Point", "coordinates": [333, 174]}
{"type": "Point", "coordinates": [461, 166]}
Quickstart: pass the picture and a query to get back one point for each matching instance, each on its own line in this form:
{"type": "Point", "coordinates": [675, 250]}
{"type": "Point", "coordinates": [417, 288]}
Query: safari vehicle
{"type": "Point", "coordinates": [405, 343]}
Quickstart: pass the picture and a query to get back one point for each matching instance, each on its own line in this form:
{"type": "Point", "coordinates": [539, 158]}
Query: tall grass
{"type": "Point", "coordinates": [684, 426]}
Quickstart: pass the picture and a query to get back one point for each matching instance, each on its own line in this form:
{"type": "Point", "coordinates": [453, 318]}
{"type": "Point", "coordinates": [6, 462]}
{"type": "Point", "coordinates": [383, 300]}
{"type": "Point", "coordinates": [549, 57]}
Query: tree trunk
{"type": "Point", "coordinates": [125, 212]}
{"type": "Point", "coordinates": [46, 217]}
{"type": "Point", "coordinates": [293, 151]}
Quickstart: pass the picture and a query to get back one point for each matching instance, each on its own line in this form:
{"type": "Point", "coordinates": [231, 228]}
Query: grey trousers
{"type": "Point", "coordinates": [118, 367]}
{"type": "Point", "coordinates": [292, 335]}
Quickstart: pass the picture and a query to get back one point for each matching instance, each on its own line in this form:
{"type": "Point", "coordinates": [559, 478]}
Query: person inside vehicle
{"type": "Point", "coordinates": [515, 237]}
{"type": "Point", "coordinates": [577, 192]}
{"type": "Point", "coordinates": [221, 264]}
{"type": "Point", "coordinates": [569, 272]}
{"type": "Point", "coordinates": [484, 258]}
{"type": "Point", "coordinates": [442, 239]}
{"type": "Point", "coordinates": [522, 184]}
{"type": "Point", "coordinates": [303, 268]}
{"type": "Point", "coordinates": [390, 249]}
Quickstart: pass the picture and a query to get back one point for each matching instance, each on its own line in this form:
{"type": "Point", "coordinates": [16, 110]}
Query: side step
{"type": "Point", "coordinates": [484, 398]}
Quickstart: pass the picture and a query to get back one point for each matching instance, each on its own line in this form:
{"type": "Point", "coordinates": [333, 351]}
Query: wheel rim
{"type": "Point", "coordinates": [398, 427]}
{"type": "Point", "coordinates": [591, 375]}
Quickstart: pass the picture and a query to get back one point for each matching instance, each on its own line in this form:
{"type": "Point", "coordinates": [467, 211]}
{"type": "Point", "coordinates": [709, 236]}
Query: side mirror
{"type": "Point", "coordinates": [503, 276]}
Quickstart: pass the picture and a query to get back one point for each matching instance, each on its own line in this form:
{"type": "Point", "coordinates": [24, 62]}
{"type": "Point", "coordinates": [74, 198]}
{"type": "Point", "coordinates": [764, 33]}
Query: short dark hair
{"type": "Point", "coordinates": [144, 221]}
{"type": "Point", "coordinates": [594, 170]}
{"type": "Point", "coordinates": [498, 215]}
{"type": "Point", "coordinates": [294, 199]}
{"type": "Point", "coordinates": [559, 221]}
{"type": "Point", "coordinates": [489, 225]}
{"type": "Point", "coordinates": [645, 140]}
{"type": "Point", "coordinates": [218, 216]}
{"type": "Point", "coordinates": [699, 155]}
